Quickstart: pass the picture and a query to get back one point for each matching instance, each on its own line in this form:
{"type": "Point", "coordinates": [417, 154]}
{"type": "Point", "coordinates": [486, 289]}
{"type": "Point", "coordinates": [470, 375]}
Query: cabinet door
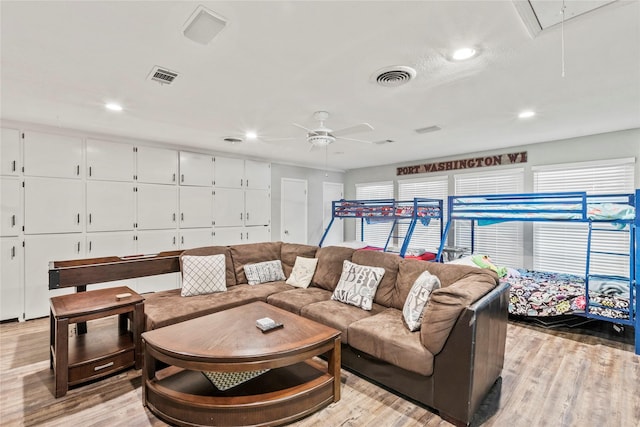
{"type": "Point", "coordinates": [51, 155]}
{"type": "Point", "coordinates": [110, 206]}
{"type": "Point", "coordinates": [196, 207]}
{"type": "Point", "coordinates": [38, 252]}
{"type": "Point", "coordinates": [257, 234]}
{"type": "Point", "coordinates": [10, 152]}
{"type": "Point", "coordinates": [111, 244]}
{"type": "Point", "coordinates": [223, 236]}
{"type": "Point", "coordinates": [196, 238]}
{"type": "Point", "coordinates": [53, 205]}
{"type": "Point", "coordinates": [111, 161]}
{"type": "Point", "coordinates": [257, 174]}
{"type": "Point", "coordinates": [10, 212]}
{"type": "Point", "coordinates": [156, 165]}
{"type": "Point", "coordinates": [258, 207]}
{"type": "Point", "coordinates": [196, 169]}
{"type": "Point", "coordinates": [11, 283]}
{"type": "Point", "coordinates": [228, 172]}
{"type": "Point", "coordinates": [228, 207]}
{"type": "Point", "coordinates": [156, 206]}
{"type": "Point", "coordinates": [153, 242]}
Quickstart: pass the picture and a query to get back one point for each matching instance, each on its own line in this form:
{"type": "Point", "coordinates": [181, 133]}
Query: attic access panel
{"type": "Point", "coordinates": [548, 12]}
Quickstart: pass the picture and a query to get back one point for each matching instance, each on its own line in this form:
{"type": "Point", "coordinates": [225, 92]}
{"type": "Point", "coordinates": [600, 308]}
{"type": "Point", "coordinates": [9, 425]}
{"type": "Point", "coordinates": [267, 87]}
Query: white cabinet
{"type": "Point", "coordinates": [38, 252]}
{"type": "Point", "coordinates": [11, 283]}
{"type": "Point", "coordinates": [10, 152]}
{"type": "Point", "coordinates": [157, 206]}
{"type": "Point", "coordinates": [52, 155]}
{"type": "Point", "coordinates": [111, 161]}
{"type": "Point", "coordinates": [196, 169]}
{"type": "Point", "coordinates": [153, 242]}
{"type": "Point", "coordinates": [228, 207]}
{"type": "Point", "coordinates": [257, 207]}
{"type": "Point", "coordinates": [10, 207]}
{"type": "Point", "coordinates": [238, 235]}
{"type": "Point", "coordinates": [257, 234]}
{"type": "Point", "coordinates": [228, 172]}
{"type": "Point", "coordinates": [196, 238]}
{"type": "Point", "coordinates": [156, 165]}
{"type": "Point", "coordinates": [257, 174]}
{"type": "Point", "coordinates": [53, 205]}
{"type": "Point", "coordinates": [110, 206]}
{"type": "Point", "coordinates": [111, 244]}
{"type": "Point", "coordinates": [196, 207]}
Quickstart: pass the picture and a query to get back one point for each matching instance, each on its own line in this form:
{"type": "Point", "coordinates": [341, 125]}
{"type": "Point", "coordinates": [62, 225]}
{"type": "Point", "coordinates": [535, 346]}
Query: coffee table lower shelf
{"type": "Point", "coordinates": [279, 396]}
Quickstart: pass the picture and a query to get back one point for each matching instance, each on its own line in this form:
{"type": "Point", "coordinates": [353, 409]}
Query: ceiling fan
{"type": "Point", "coordinates": [322, 136]}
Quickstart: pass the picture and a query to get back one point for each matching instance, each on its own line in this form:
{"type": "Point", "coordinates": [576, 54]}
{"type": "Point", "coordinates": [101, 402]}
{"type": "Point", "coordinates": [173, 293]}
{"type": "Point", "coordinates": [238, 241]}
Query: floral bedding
{"type": "Point", "coordinates": [536, 293]}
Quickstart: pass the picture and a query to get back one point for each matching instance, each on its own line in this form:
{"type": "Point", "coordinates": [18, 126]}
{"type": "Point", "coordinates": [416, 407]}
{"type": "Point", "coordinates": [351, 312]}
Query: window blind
{"type": "Point", "coordinates": [503, 242]}
{"type": "Point", "coordinates": [376, 233]}
{"type": "Point", "coordinates": [424, 237]}
{"type": "Point", "coordinates": [562, 247]}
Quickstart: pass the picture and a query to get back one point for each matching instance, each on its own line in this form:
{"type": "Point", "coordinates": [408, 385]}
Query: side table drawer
{"type": "Point", "coordinates": [100, 367]}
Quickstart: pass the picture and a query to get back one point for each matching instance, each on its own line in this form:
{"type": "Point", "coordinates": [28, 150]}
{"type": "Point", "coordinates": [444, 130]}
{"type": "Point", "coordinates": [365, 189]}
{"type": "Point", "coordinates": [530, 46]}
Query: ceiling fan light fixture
{"type": "Point", "coordinates": [320, 140]}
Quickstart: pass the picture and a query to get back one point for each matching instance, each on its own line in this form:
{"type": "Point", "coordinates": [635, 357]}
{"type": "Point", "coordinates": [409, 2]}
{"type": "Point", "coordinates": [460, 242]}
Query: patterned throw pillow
{"type": "Point", "coordinates": [302, 272]}
{"type": "Point", "coordinates": [225, 380]}
{"type": "Point", "coordinates": [268, 271]}
{"type": "Point", "coordinates": [358, 284]}
{"type": "Point", "coordinates": [417, 300]}
{"type": "Point", "coordinates": [203, 275]}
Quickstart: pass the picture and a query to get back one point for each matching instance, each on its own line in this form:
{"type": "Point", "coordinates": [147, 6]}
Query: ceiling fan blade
{"type": "Point", "coordinates": [362, 127]}
{"type": "Point", "coordinates": [305, 128]}
{"type": "Point", "coordinates": [353, 139]}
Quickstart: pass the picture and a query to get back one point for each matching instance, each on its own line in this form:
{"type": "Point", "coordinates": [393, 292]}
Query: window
{"type": "Point", "coordinates": [562, 247]}
{"type": "Point", "coordinates": [428, 237]}
{"type": "Point", "coordinates": [375, 233]}
{"type": "Point", "coordinates": [503, 242]}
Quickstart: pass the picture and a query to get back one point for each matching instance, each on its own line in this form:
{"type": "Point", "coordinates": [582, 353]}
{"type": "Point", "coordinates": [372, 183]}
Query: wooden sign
{"type": "Point", "coordinates": [470, 163]}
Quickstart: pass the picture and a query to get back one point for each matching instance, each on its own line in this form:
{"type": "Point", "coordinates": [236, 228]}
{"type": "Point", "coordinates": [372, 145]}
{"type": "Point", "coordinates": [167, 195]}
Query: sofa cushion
{"type": "Point", "coordinates": [263, 272]}
{"type": "Point", "coordinates": [293, 300]}
{"type": "Point", "coordinates": [390, 263]}
{"type": "Point", "coordinates": [302, 272]}
{"type": "Point", "coordinates": [215, 250]}
{"type": "Point", "coordinates": [203, 274]}
{"type": "Point", "coordinates": [252, 253]}
{"type": "Point", "coordinates": [330, 260]}
{"type": "Point", "coordinates": [289, 252]}
{"type": "Point", "coordinates": [414, 306]}
{"type": "Point", "coordinates": [385, 336]}
{"type": "Point", "coordinates": [337, 315]}
{"type": "Point", "coordinates": [358, 284]}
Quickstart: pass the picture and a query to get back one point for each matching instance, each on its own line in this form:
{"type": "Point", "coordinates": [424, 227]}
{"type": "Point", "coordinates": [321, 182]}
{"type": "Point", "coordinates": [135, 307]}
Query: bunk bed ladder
{"type": "Point", "coordinates": [396, 234]}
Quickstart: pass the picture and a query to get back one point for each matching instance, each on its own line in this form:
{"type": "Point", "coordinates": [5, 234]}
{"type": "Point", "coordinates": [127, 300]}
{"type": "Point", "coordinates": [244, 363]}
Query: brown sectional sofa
{"type": "Point", "coordinates": [449, 364]}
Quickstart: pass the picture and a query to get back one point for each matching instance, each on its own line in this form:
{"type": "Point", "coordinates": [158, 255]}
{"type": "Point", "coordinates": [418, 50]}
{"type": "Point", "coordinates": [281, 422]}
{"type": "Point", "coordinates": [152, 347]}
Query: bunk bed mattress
{"type": "Point", "coordinates": [537, 293]}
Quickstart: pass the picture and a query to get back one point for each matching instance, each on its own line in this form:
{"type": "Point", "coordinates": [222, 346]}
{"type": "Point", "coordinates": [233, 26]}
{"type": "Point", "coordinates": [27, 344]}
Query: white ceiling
{"type": "Point", "coordinates": [277, 62]}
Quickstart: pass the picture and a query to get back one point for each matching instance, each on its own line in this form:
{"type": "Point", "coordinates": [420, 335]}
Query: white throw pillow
{"type": "Point", "coordinates": [418, 298]}
{"type": "Point", "coordinates": [262, 272]}
{"type": "Point", "coordinates": [302, 272]}
{"type": "Point", "coordinates": [203, 275]}
{"type": "Point", "coordinates": [358, 284]}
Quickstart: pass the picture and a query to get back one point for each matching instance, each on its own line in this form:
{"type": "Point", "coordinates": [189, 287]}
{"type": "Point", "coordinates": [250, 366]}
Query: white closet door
{"type": "Point", "coordinates": [110, 206]}
{"type": "Point", "coordinates": [10, 207]}
{"type": "Point", "coordinates": [228, 207]}
{"type": "Point", "coordinates": [293, 228]}
{"type": "Point", "coordinates": [196, 238]}
{"type": "Point", "coordinates": [157, 165]}
{"type": "Point", "coordinates": [196, 169]}
{"type": "Point", "coordinates": [196, 207]}
{"type": "Point", "coordinates": [257, 207]}
{"type": "Point", "coordinates": [157, 206]}
{"type": "Point", "coordinates": [11, 283]}
{"type": "Point", "coordinates": [51, 155]}
{"type": "Point", "coordinates": [53, 205]}
{"type": "Point", "coordinates": [257, 174]}
{"type": "Point", "coordinates": [111, 161]}
{"type": "Point", "coordinates": [228, 172]}
{"type": "Point", "coordinates": [10, 152]}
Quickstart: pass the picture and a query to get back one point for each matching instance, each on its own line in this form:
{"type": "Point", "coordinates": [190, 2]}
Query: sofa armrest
{"type": "Point", "coordinates": [472, 358]}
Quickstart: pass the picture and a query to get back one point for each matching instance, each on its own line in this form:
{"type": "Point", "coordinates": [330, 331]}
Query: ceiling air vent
{"type": "Point", "coordinates": [162, 75]}
{"type": "Point", "coordinates": [394, 76]}
{"type": "Point", "coordinates": [428, 129]}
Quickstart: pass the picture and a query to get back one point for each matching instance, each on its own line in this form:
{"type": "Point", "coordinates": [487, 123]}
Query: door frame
{"type": "Point", "coordinates": [282, 207]}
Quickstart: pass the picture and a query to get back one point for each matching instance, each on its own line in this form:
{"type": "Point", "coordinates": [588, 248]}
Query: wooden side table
{"type": "Point", "coordinates": [89, 356]}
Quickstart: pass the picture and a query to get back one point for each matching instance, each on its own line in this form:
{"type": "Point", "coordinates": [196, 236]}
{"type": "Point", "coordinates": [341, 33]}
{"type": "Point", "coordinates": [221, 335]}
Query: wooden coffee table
{"type": "Point", "coordinates": [296, 384]}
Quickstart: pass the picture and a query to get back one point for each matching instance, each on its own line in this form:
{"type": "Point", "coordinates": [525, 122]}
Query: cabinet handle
{"type": "Point", "coordinates": [13, 166]}
{"type": "Point", "coordinates": [89, 170]}
{"type": "Point", "coordinates": [13, 252]}
{"type": "Point", "coordinates": [247, 216]}
{"type": "Point", "coordinates": [78, 218]}
{"type": "Point", "coordinates": [106, 365]}
{"type": "Point", "coordinates": [174, 178]}
{"type": "Point", "coordinates": [182, 239]}
{"type": "Point", "coordinates": [247, 183]}
{"type": "Point", "coordinates": [241, 236]}
{"type": "Point", "coordinates": [174, 240]}
{"type": "Point", "coordinates": [90, 245]}
{"type": "Point", "coordinates": [13, 220]}
{"type": "Point", "coordinates": [182, 178]}
{"type": "Point", "coordinates": [240, 182]}
{"type": "Point", "coordinates": [89, 218]}
{"type": "Point", "coordinates": [78, 247]}
{"type": "Point", "coordinates": [182, 216]}
{"type": "Point", "coordinates": [78, 170]}
{"type": "Point", "coordinates": [174, 217]}
{"type": "Point", "coordinates": [247, 235]}
{"type": "Point", "coordinates": [240, 215]}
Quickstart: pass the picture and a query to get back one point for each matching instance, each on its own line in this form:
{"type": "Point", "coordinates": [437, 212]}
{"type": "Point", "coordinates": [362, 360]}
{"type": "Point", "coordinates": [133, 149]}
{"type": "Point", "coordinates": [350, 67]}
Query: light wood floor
{"type": "Point", "coordinates": [554, 377]}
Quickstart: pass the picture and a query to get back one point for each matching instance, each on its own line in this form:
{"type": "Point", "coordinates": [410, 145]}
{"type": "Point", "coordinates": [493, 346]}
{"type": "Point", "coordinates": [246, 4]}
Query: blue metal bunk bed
{"type": "Point", "coordinates": [602, 213]}
{"type": "Point", "coordinates": [408, 212]}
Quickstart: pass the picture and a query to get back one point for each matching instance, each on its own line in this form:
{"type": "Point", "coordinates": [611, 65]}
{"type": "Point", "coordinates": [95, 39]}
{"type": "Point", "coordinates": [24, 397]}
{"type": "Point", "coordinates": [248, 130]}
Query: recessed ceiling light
{"type": "Point", "coordinates": [526, 114]}
{"type": "Point", "coordinates": [251, 135]}
{"type": "Point", "coordinates": [113, 106]}
{"type": "Point", "coordinates": [464, 53]}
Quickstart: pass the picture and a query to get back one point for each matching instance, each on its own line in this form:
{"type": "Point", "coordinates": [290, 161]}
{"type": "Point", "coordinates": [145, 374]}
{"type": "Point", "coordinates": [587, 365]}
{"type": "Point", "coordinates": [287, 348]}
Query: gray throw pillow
{"type": "Point", "coordinates": [418, 298]}
{"type": "Point", "coordinates": [358, 284]}
{"type": "Point", "coordinates": [262, 272]}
